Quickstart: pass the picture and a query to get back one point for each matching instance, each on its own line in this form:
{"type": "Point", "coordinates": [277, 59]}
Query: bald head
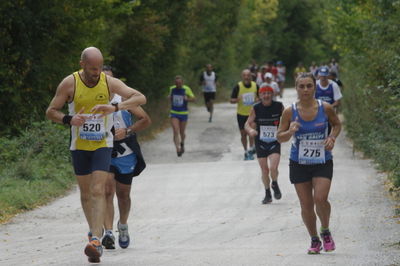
{"type": "Point", "coordinates": [91, 53]}
{"type": "Point", "coordinates": [246, 76]}
{"type": "Point", "coordinates": [92, 64]}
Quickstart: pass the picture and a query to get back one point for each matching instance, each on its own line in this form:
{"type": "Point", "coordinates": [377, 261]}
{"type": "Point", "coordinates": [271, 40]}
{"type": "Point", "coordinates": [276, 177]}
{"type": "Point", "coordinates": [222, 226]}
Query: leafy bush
{"type": "Point", "coordinates": [367, 39]}
{"type": "Point", "coordinates": [35, 167]}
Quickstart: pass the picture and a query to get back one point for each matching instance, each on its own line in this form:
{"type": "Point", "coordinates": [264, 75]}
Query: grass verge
{"type": "Point", "coordinates": [36, 166]}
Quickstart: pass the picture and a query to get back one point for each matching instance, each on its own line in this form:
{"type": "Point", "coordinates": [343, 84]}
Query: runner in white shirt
{"type": "Point", "coordinates": [269, 82]}
{"type": "Point", "coordinates": [281, 77]}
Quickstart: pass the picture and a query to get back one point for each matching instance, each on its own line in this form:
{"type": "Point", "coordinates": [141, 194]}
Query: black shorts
{"type": "Point", "coordinates": [266, 149]}
{"type": "Point", "coordinates": [208, 96]}
{"type": "Point", "coordinates": [241, 120]}
{"type": "Point", "coordinates": [300, 173]}
{"type": "Point", "coordinates": [85, 162]}
{"type": "Point", "coordinates": [121, 178]}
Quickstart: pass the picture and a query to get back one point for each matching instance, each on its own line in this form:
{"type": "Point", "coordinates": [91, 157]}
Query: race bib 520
{"type": "Point", "coordinates": [92, 129]}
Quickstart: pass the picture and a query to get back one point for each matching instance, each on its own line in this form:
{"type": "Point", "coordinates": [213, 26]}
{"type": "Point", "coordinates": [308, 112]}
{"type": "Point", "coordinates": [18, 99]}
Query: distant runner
{"type": "Point", "coordinates": [268, 81]}
{"type": "Point", "coordinates": [327, 90]}
{"type": "Point", "coordinates": [179, 96]}
{"type": "Point", "coordinates": [208, 79]}
{"type": "Point", "coordinates": [281, 77]}
{"type": "Point", "coordinates": [262, 124]}
{"type": "Point", "coordinates": [299, 69]}
{"type": "Point", "coordinates": [245, 95]}
{"type": "Point", "coordinates": [311, 165]}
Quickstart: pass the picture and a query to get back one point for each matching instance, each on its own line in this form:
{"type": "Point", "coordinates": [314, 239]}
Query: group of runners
{"type": "Point", "coordinates": [106, 155]}
{"type": "Point", "coordinates": [312, 124]}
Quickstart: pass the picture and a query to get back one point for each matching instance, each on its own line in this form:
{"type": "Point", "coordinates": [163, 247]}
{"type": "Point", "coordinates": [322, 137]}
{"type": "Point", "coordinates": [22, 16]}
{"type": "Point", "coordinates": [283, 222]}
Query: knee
{"type": "Point", "coordinates": [274, 170]}
{"type": "Point", "coordinates": [98, 191]}
{"type": "Point", "coordinates": [109, 193]}
{"type": "Point", "coordinates": [307, 207]}
{"type": "Point", "coordinates": [123, 196]}
{"type": "Point", "coordinates": [265, 170]}
{"type": "Point", "coordinates": [318, 199]}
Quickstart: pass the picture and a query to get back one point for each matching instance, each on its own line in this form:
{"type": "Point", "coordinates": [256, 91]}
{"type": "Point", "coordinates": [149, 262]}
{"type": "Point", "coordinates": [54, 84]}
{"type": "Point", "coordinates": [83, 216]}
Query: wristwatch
{"type": "Point", "coordinates": [129, 132]}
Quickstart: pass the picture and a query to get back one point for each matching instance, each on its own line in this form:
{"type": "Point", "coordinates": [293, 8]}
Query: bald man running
{"type": "Point", "coordinates": [244, 94]}
{"type": "Point", "coordinates": [88, 93]}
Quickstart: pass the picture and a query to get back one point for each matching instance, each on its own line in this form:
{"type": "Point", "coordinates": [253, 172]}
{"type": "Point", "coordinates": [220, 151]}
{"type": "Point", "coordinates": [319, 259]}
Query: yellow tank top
{"type": "Point", "coordinates": [248, 98]}
{"type": "Point", "coordinates": [96, 132]}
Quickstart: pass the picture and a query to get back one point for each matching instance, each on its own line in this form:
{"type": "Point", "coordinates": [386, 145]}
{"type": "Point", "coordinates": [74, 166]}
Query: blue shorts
{"type": "Point", "coordinates": [181, 118]}
{"type": "Point", "coordinates": [86, 162]}
{"type": "Point", "coordinates": [123, 168]}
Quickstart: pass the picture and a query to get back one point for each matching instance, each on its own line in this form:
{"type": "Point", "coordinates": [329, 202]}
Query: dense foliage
{"type": "Point", "coordinates": [367, 37]}
{"type": "Point", "coordinates": [148, 43]}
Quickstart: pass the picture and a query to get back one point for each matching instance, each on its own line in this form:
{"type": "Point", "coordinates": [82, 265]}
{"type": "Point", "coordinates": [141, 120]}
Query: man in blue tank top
{"type": "Point", "coordinates": [327, 90]}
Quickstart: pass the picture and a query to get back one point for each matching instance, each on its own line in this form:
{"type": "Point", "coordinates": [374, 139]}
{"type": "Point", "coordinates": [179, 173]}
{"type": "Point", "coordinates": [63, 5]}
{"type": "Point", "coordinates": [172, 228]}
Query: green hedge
{"type": "Point", "coordinates": [367, 37]}
{"type": "Point", "coordinates": [35, 168]}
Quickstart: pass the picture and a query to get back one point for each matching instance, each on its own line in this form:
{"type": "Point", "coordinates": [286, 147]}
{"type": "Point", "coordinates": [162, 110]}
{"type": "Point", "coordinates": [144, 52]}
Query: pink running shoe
{"type": "Point", "coordinates": [316, 246]}
{"type": "Point", "coordinates": [329, 244]}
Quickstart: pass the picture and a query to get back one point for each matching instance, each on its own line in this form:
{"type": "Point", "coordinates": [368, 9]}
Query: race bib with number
{"type": "Point", "coordinates": [248, 98]}
{"type": "Point", "coordinates": [92, 129]}
{"type": "Point", "coordinates": [177, 100]}
{"type": "Point", "coordinates": [268, 133]}
{"type": "Point", "coordinates": [311, 152]}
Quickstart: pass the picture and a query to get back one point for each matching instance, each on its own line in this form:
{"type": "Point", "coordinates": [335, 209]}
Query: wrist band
{"type": "Point", "coordinates": [67, 119]}
{"type": "Point", "coordinates": [116, 106]}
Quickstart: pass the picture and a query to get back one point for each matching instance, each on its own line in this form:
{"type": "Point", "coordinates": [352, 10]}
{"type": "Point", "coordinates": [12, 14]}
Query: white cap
{"type": "Point", "coordinates": [268, 75]}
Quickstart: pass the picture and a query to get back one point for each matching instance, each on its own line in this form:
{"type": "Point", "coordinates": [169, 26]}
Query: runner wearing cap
{"type": "Point", "coordinates": [327, 90]}
{"type": "Point", "coordinates": [268, 81]}
{"type": "Point", "coordinates": [262, 124]}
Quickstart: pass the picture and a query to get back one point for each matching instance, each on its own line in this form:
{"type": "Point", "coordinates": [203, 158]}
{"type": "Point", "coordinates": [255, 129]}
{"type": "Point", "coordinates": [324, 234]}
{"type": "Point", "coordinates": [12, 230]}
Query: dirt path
{"type": "Point", "coordinates": [204, 209]}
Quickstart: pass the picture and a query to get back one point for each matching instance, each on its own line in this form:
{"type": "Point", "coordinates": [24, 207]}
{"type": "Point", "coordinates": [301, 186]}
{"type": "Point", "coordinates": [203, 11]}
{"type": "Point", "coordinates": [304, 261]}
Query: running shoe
{"type": "Point", "coordinates": [329, 244]}
{"type": "Point", "coordinates": [123, 238]}
{"type": "Point", "coordinates": [108, 240]}
{"type": "Point", "coordinates": [210, 119]}
{"type": "Point", "coordinates": [250, 156]}
{"type": "Point", "coordinates": [316, 246]}
{"type": "Point", "coordinates": [277, 191]}
{"type": "Point", "coordinates": [179, 153]}
{"type": "Point", "coordinates": [252, 150]}
{"type": "Point", "coordinates": [268, 197]}
{"type": "Point", "coordinates": [94, 250]}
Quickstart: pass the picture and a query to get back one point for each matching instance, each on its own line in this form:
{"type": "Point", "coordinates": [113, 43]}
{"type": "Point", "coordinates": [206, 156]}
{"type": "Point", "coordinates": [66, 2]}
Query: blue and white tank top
{"type": "Point", "coordinates": [325, 95]}
{"type": "Point", "coordinates": [308, 142]}
{"type": "Point", "coordinates": [122, 119]}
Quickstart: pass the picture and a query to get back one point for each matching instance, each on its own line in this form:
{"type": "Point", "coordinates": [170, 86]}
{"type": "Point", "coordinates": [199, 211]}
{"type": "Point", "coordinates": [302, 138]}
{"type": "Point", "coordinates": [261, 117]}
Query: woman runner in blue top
{"type": "Point", "coordinates": [311, 165]}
